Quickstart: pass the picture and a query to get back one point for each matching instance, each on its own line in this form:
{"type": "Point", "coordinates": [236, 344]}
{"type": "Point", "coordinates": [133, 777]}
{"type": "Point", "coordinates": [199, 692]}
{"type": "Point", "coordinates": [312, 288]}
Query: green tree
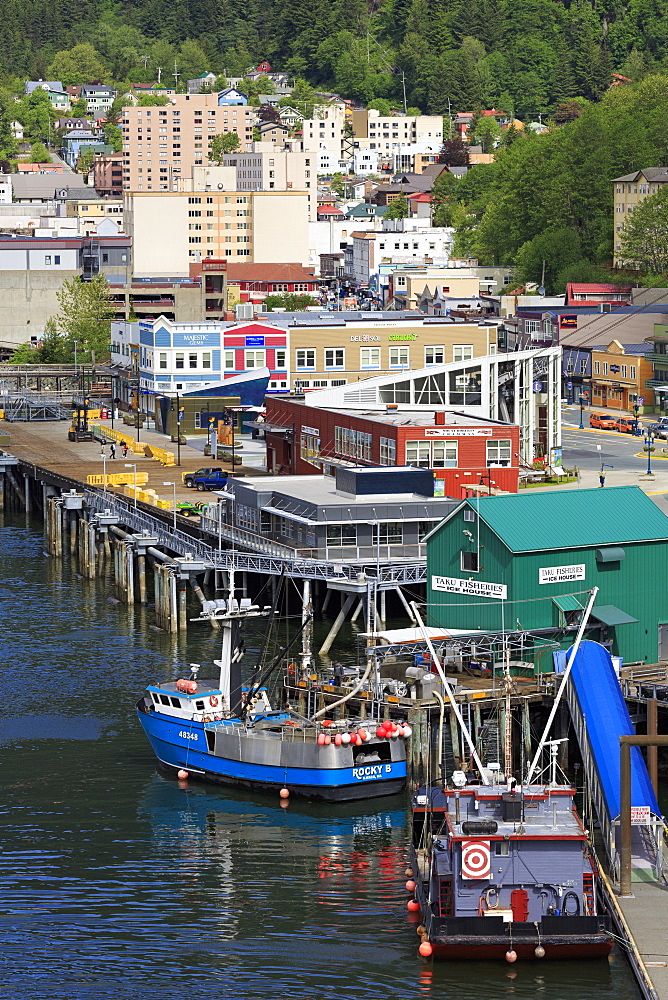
{"type": "Point", "coordinates": [152, 100]}
{"type": "Point", "coordinates": [85, 316]}
{"type": "Point", "coordinates": [79, 108]}
{"type": "Point", "coordinates": [398, 209]}
{"type": "Point", "coordinates": [81, 64]}
{"type": "Point", "coordinates": [113, 136]}
{"type": "Point", "coordinates": [541, 259]}
{"type": "Point", "coordinates": [303, 98]}
{"type": "Point", "coordinates": [85, 161]}
{"type": "Point", "coordinates": [454, 152]}
{"type": "Point", "coordinates": [337, 185]}
{"type": "Point", "coordinates": [222, 144]}
{"type": "Point", "coordinates": [644, 238]}
{"type": "Point", "coordinates": [290, 301]}
{"type": "Point", "coordinates": [487, 133]}
{"type": "Point", "coordinates": [39, 153]}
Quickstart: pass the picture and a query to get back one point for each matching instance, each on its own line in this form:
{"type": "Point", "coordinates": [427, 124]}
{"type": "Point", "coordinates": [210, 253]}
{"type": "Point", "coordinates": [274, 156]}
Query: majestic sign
{"type": "Point", "coordinates": [561, 574]}
{"type": "Point", "coordinates": [476, 859]}
{"type": "Point", "coordinates": [453, 585]}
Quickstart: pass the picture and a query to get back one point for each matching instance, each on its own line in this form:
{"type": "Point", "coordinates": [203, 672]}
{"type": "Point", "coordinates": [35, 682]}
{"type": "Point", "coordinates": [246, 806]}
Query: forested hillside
{"type": "Point", "coordinates": [523, 56]}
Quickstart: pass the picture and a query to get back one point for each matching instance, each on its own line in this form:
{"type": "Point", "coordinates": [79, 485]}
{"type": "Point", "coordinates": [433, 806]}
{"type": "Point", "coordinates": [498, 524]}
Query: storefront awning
{"type": "Point", "coordinates": [608, 614]}
{"type": "Point", "coordinates": [569, 602]}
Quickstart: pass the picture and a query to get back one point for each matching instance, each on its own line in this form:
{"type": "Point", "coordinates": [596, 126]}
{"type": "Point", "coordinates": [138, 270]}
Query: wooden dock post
{"type": "Point", "coordinates": [182, 589]}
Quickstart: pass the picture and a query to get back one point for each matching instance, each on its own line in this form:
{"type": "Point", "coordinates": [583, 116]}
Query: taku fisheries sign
{"type": "Point", "coordinates": [453, 585]}
{"type": "Point", "coordinates": [561, 574]}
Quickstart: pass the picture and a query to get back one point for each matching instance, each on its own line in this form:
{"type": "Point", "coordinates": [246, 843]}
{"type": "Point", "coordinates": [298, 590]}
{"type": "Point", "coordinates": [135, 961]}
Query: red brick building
{"type": "Point", "coordinates": [463, 451]}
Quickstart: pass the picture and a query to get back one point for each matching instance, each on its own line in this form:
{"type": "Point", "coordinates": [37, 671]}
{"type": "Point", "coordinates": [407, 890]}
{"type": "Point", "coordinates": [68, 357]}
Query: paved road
{"type": "Point", "coordinates": [622, 456]}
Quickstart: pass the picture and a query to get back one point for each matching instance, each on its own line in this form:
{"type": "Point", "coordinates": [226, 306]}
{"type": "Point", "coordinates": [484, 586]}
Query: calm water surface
{"type": "Point", "coordinates": [119, 883]}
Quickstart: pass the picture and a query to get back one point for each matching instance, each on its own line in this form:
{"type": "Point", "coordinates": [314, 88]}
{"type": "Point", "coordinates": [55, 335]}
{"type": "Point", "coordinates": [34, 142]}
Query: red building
{"type": "Point", "coordinates": [463, 451]}
{"type": "Point", "coordinates": [256, 281]}
{"type": "Point", "coordinates": [593, 294]}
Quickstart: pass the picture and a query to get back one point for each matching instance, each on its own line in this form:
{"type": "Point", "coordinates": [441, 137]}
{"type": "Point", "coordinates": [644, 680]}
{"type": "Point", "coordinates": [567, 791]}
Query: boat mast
{"type": "Point", "coordinates": [564, 680]}
{"type": "Point", "coordinates": [508, 722]}
{"type": "Point", "coordinates": [451, 695]}
{"type": "Point", "coordinates": [307, 619]}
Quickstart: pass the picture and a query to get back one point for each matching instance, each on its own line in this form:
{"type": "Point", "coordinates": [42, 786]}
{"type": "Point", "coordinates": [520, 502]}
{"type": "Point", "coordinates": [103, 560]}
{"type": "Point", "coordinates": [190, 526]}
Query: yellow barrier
{"type": "Point", "coordinates": [160, 454]}
{"type": "Point", "coordinates": [118, 479]}
{"type": "Point", "coordinates": [136, 447]}
{"type": "Point", "coordinates": [2, 414]}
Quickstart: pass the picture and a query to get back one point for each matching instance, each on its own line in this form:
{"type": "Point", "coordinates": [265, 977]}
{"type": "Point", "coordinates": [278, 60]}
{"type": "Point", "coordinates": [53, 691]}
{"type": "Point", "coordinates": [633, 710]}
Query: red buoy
{"type": "Point", "coordinates": [426, 949]}
{"type": "Point", "coordinates": [328, 740]}
{"type": "Point", "coordinates": [412, 906]}
{"type": "Point", "coordinates": [410, 885]}
{"type": "Point", "coordinates": [321, 740]}
{"type": "Point", "coordinates": [284, 793]}
{"type": "Point", "coordinates": [337, 739]}
{"type": "Point", "coordinates": [511, 955]}
{"type": "Point", "coordinates": [182, 775]}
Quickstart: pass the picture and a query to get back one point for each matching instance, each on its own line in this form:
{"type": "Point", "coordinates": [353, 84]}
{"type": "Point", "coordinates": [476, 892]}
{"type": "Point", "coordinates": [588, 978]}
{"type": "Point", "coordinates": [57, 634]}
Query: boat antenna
{"type": "Point", "coordinates": [564, 679]}
{"type": "Point", "coordinates": [451, 695]}
{"type": "Point", "coordinates": [256, 685]}
{"type": "Point", "coordinates": [270, 620]}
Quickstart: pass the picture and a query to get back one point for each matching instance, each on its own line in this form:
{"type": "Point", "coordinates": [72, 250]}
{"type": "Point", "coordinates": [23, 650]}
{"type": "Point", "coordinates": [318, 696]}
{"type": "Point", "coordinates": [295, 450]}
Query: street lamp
{"type": "Point", "coordinates": [174, 508]}
{"type": "Point", "coordinates": [132, 465]}
{"type": "Point", "coordinates": [581, 411]}
{"type": "Point", "coordinates": [649, 437]}
{"type": "Point", "coordinates": [103, 456]}
{"type": "Point", "coordinates": [636, 407]}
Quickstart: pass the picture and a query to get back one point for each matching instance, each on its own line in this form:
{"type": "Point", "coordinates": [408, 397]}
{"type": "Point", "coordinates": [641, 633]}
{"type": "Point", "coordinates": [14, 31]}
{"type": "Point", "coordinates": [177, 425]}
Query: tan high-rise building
{"type": "Point", "coordinates": [630, 190]}
{"type": "Point", "coordinates": [173, 229]}
{"type": "Point", "coordinates": [163, 144]}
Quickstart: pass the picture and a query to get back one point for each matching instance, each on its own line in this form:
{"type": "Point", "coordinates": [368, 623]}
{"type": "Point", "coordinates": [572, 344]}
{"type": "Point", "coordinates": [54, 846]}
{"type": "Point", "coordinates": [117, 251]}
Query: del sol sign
{"type": "Point", "coordinates": [478, 588]}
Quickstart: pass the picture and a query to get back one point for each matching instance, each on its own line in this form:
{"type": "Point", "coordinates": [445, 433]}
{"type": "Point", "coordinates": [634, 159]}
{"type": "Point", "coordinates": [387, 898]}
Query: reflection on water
{"type": "Point", "coordinates": [120, 883]}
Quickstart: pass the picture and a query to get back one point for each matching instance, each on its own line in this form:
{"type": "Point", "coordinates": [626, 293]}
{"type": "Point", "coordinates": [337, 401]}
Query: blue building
{"type": "Point", "coordinates": [77, 140]}
{"type": "Point", "coordinates": [232, 96]}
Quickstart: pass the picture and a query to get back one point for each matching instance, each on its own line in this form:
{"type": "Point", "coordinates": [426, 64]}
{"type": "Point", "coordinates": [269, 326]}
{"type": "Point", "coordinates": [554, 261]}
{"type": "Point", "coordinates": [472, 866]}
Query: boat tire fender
{"type": "Point", "coordinates": [213, 701]}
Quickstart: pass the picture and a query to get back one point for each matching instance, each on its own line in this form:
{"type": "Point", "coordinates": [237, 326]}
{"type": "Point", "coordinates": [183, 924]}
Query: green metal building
{"type": "Point", "coordinates": [527, 561]}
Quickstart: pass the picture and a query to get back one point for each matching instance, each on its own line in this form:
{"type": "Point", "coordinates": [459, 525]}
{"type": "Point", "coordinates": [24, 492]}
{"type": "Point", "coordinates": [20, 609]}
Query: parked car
{"type": "Point", "coordinates": [216, 480]}
{"type": "Point", "coordinates": [606, 421]}
{"type": "Point", "coordinates": [627, 425]}
{"type": "Point", "coordinates": [188, 478]}
{"type": "Point", "coordinates": [660, 428]}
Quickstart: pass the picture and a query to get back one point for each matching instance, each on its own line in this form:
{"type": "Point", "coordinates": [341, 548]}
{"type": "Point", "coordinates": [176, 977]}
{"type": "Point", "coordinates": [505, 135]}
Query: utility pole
{"type": "Point", "coordinates": [176, 75]}
{"type": "Point", "coordinates": [159, 73]}
{"type": "Point", "coordinates": [144, 60]}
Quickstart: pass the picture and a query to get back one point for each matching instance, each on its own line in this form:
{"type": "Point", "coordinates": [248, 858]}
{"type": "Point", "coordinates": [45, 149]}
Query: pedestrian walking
{"type": "Point", "coordinates": [112, 449]}
{"type": "Point", "coordinates": [124, 447]}
{"type": "Point", "coordinates": [601, 480]}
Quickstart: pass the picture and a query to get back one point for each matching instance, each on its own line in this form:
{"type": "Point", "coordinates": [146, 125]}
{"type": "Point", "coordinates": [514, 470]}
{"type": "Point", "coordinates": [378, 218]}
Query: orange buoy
{"type": "Point", "coordinates": [182, 775]}
{"type": "Point", "coordinates": [337, 740]}
{"type": "Point", "coordinates": [511, 955]}
{"type": "Point", "coordinates": [412, 906]}
{"type": "Point", "coordinates": [410, 885]}
{"type": "Point", "coordinates": [409, 873]}
{"type": "Point", "coordinates": [321, 740]}
{"type": "Point", "coordinates": [284, 793]}
{"type": "Point", "coordinates": [328, 740]}
{"type": "Point", "coordinates": [426, 949]}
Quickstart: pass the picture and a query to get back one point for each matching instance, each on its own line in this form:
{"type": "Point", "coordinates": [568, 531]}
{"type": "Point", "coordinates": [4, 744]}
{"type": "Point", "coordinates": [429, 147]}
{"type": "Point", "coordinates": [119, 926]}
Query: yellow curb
{"type": "Point", "coordinates": [598, 430]}
{"type": "Point", "coordinates": [655, 458]}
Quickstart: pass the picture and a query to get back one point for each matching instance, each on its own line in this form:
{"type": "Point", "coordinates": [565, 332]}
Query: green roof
{"type": "Point", "coordinates": [572, 519]}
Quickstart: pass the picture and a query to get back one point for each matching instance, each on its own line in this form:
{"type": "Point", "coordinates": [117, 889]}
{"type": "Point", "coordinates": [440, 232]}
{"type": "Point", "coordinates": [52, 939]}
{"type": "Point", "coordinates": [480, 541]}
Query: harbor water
{"type": "Point", "coordinates": [120, 883]}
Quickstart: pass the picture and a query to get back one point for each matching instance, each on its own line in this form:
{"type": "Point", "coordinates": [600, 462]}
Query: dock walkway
{"type": "Point", "coordinates": [646, 913]}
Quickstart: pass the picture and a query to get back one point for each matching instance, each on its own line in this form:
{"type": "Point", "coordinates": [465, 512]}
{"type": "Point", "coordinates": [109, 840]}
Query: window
{"type": "Point", "coordinates": [388, 534]}
{"type": "Point", "coordinates": [624, 371]}
{"type": "Point", "coordinates": [633, 371]}
{"type": "Point", "coordinates": [388, 451]}
{"type": "Point", "coordinates": [180, 360]}
{"type": "Point", "coordinates": [469, 562]}
{"type": "Point", "coordinates": [605, 367]}
{"type": "Point", "coordinates": [341, 534]}
{"type": "Point", "coordinates": [443, 454]}
{"type": "Point", "coordinates": [462, 352]}
{"type": "Point", "coordinates": [56, 259]}
{"type": "Point", "coordinates": [163, 361]}
{"type": "Point", "coordinates": [583, 367]}
{"type": "Point", "coordinates": [352, 443]}
{"type": "Point", "coordinates": [434, 355]}
{"type": "Point", "coordinates": [310, 449]}
{"type": "Point", "coordinates": [194, 201]}
{"type": "Point", "coordinates": [469, 515]}
{"type": "Point", "coordinates": [498, 452]}
{"type": "Point", "coordinates": [597, 368]}
{"type": "Point", "coordinates": [305, 358]}
{"type": "Point", "coordinates": [501, 848]}
{"type": "Point", "coordinates": [399, 357]}
{"type": "Point", "coordinates": [334, 357]}
{"type": "Point", "coordinates": [206, 359]}
{"type": "Point", "coordinates": [418, 453]}
{"type": "Point", "coordinates": [254, 359]}
{"type": "Point", "coordinates": [370, 357]}
{"type": "Point", "coordinates": [229, 359]}
{"type": "Point", "coordinates": [47, 259]}
{"type": "Point", "coordinates": [192, 361]}
{"type": "Point", "coordinates": [465, 387]}
{"type": "Point", "coordinates": [280, 359]}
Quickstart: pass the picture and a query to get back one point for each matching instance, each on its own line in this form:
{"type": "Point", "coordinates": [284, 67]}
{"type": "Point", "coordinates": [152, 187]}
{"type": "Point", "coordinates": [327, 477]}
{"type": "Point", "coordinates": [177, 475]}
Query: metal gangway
{"type": "Point", "coordinates": [29, 406]}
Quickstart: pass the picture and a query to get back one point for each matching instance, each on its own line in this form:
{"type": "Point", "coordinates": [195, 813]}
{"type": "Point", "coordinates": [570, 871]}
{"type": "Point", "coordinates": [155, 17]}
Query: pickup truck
{"type": "Point", "coordinates": [189, 477]}
{"type": "Point", "coordinates": [216, 480]}
{"type": "Point", "coordinates": [660, 428]}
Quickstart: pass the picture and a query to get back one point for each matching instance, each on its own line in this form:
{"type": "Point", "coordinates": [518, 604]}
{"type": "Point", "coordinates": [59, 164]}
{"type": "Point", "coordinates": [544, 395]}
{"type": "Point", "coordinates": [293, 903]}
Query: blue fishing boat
{"type": "Point", "coordinates": [215, 729]}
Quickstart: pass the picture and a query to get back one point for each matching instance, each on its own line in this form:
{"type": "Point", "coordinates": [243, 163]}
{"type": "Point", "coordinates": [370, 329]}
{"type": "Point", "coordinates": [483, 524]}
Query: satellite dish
{"type": "Point", "coordinates": [220, 187]}
{"type": "Point", "coordinates": [541, 290]}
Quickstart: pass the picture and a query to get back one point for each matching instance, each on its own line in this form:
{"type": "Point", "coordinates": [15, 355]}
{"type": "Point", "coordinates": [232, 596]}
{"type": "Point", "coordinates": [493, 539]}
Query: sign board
{"type": "Point", "coordinates": [453, 585]}
{"type": "Point", "coordinates": [432, 432]}
{"type": "Point", "coordinates": [310, 430]}
{"type": "Point", "coordinates": [254, 341]}
{"type": "Point", "coordinates": [640, 815]}
{"type": "Point", "coordinates": [476, 859]}
{"type": "Point", "coordinates": [538, 387]}
{"type": "Point", "coordinates": [640, 400]}
{"type": "Point", "coordinates": [561, 574]}
{"type": "Point", "coordinates": [568, 322]}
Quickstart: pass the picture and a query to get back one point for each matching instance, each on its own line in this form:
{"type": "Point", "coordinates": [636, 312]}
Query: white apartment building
{"type": "Point", "coordinates": [325, 135]}
{"type": "Point", "coordinates": [390, 134]}
{"type": "Point", "coordinates": [277, 170]}
{"type": "Point", "coordinates": [163, 144]}
{"type": "Point", "coordinates": [419, 246]}
{"type": "Point", "coordinates": [173, 229]}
